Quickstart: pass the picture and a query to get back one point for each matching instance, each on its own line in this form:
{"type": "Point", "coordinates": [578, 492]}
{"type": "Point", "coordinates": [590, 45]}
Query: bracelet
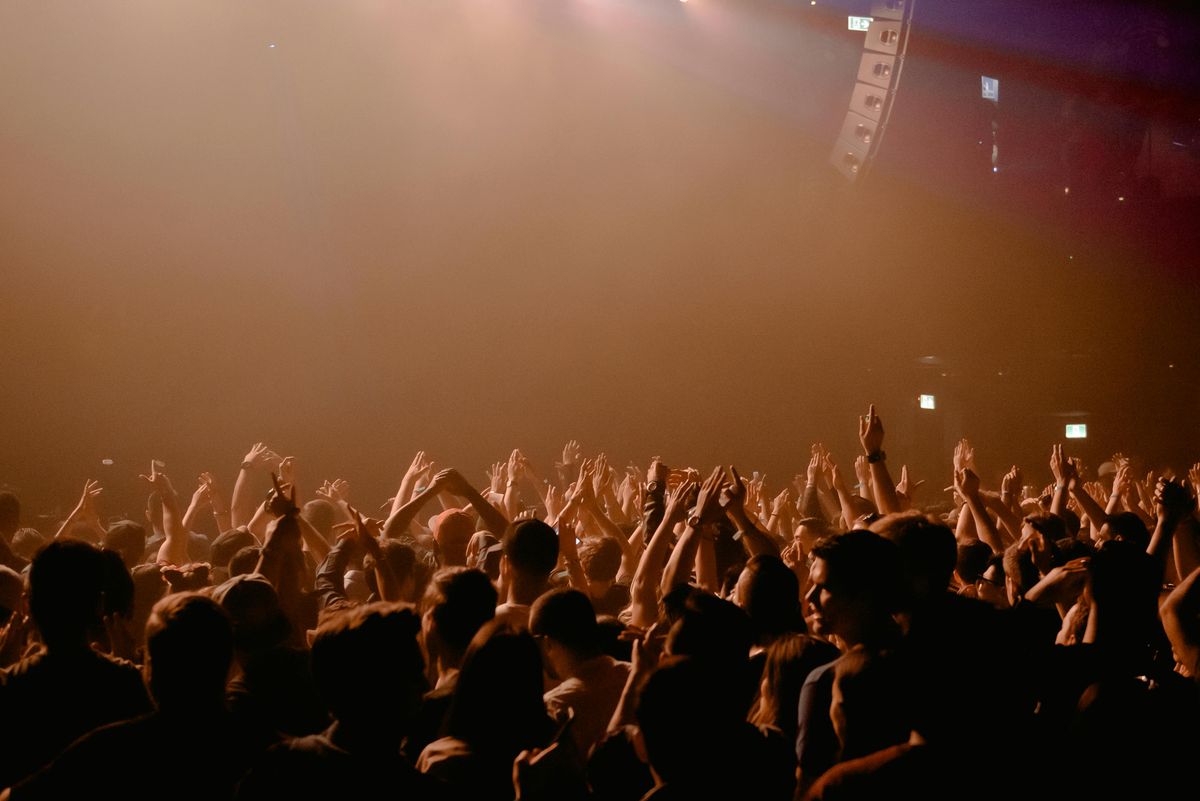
{"type": "Point", "coordinates": [877, 456]}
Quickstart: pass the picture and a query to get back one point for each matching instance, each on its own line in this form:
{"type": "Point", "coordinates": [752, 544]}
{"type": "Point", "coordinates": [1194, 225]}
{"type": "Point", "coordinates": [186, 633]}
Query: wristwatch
{"type": "Point", "coordinates": [693, 521]}
{"type": "Point", "coordinates": [877, 456]}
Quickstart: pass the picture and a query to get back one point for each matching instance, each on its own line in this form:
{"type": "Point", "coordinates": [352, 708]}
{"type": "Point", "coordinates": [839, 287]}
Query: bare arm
{"type": "Point", "coordinates": [1180, 616]}
{"type": "Point", "coordinates": [647, 577]}
{"type": "Point", "coordinates": [683, 558]}
{"type": "Point", "coordinates": [870, 434]}
{"type": "Point", "coordinates": [242, 506]}
{"type": "Point", "coordinates": [967, 485]}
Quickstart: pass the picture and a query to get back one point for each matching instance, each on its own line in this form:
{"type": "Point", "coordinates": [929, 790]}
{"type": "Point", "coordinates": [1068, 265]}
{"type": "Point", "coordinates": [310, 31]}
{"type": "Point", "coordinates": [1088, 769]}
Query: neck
{"type": "Point", "coordinates": [525, 590]}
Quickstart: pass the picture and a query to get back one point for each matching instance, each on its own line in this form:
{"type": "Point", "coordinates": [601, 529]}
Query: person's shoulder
{"type": "Point", "coordinates": [443, 753]}
{"type": "Point", "coordinates": [854, 778]}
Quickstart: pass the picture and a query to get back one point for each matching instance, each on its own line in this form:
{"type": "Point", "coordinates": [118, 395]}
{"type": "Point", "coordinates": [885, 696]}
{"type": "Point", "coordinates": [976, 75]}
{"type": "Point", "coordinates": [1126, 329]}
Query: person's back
{"type": "Point", "coordinates": [189, 650]}
{"type": "Point", "coordinates": [358, 756]}
{"type": "Point", "coordinates": [592, 682]}
{"type": "Point", "coordinates": [54, 696]}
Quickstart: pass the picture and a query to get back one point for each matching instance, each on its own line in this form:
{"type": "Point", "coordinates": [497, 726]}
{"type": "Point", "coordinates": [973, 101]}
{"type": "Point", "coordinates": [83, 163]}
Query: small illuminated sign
{"type": "Point", "coordinates": [927, 402]}
{"type": "Point", "coordinates": [859, 23]}
{"type": "Point", "coordinates": [990, 88]}
{"type": "Point", "coordinates": [1077, 431]}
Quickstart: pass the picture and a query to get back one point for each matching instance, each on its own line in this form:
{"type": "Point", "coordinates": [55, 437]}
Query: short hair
{"type": "Point", "coordinates": [567, 617]}
{"type": "Point", "coordinates": [460, 601]}
{"type": "Point", "coordinates": [321, 515]}
{"type": "Point", "coordinates": [862, 564]}
{"type": "Point", "coordinates": [229, 543]}
{"type": "Point", "coordinates": [927, 549]}
{"type": "Point", "coordinates": [973, 559]}
{"type": "Point", "coordinates": [1128, 526]}
{"type": "Point", "coordinates": [10, 511]}
{"type": "Point", "coordinates": [128, 539]}
{"type": "Point", "coordinates": [383, 635]}
{"type": "Point", "coordinates": [1051, 526]}
{"type": "Point", "coordinates": [601, 558]}
{"type": "Point", "coordinates": [531, 547]}
{"type": "Point", "coordinates": [27, 541]}
{"type": "Point", "coordinates": [772, 598]}
{"type": "Point", "coordinates": [497, 705]}
{"type": "Point", "coordinates": [189, 647]}
{"type": "Point", "coordinates": [66, 588]}
{"type": "Point", "coordinates": [245, 560]}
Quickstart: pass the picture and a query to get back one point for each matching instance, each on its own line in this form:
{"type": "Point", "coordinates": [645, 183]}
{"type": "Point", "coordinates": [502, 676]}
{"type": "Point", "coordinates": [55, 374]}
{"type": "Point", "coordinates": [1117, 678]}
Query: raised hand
{"type": "Point", "coordinates": [496, 476]}
{"type": "Point", "coordinates": [964, 455]}
{"type": "Point", "coordinates": [708, 501]}
{"type": "Point", "coordinates": [516, 466]}
{"type": "Point", "coordinates": [814, 465]}
{"type": "Point", "coordinates": [260, 457]}
{"type": "Point", "coordinates": [85, 510]}
{"type": "Point", "coordinates": [282, 501]}
{"type": "Point", "coordinates": [870, 432]}
{"type": "Point", "coordinates": [1172, 501]}
{"type": "Point", "coordinates": [906, 487]}
{"type": "Point", "coordinates": [419, 466]}
{"type": "Point", "coordinates": [336, 491]}
{"type": "Point", "coordinates": [862, 471]}
{"type": "Point", "coordinates": [966, 483]}
{"type": "Point", "coordinates": [1010, 485]}
{"type": "Point", "coordinates": [157, 481]}
{"type": "Point", "coordinates": [363, 536]}
{"type": "Point", "coordinates": [1060, 466]}
{"type": "Point", "coordinates": [733, 497]}
{"type": "Point", "coordinates": [679, 500]}
{"type": "Point", "coordinates": [202, 496]}
{"type": "Point", "coordinates": [215, 497]}
{"type": "Point", "coordinates": [571, 453]}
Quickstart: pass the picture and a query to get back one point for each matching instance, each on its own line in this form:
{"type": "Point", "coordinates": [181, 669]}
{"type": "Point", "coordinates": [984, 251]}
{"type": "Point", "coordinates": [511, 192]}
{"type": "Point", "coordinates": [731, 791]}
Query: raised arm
{"type": "Point", "coordinates": [1181, 620]}
{"type": "Point", "coordinates": [419, 466]}
{"type": "Point", "coordinates": [1063, 470]}
{"type": "Point", "coordinates": [85, 511]}
{"type": "Point", "coordinates": [733, 500]}
{"type": "Point", "coordinates": [1173, 504]}
{"type": "Point", "coordinates": [242, 506]}
{"type": "Point", "coordinates": [870, 435]}
{"type": "Point", "coordinates": [647, 577]}
{"type": "Point", "coordinates": [174, 549]}
{"type": "Point", "coordinates": [683, 558]}
{"type": "Point", "coordinates": [493, 519]}
{"type": "Point", "coordinates": [403, 516]}
{"type": "Point", "coordinates": [967, 485]}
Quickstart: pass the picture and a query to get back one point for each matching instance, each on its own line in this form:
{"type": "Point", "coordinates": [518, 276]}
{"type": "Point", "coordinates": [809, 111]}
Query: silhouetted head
{"type": "Point", "coordinates": [128, 539]}
{"type": "Point", "coordinates": [66, 592]}
{"type": "Point", "coordinates": [769, 592]}
{"type": "Point", "coordinates": [531, 549]}
{"type": "Point", "coordinates": [189, 649]}
{"type": "Point", "coordinates": [457, 603]}
{"type": "Point", "coordinates": [369, 669]}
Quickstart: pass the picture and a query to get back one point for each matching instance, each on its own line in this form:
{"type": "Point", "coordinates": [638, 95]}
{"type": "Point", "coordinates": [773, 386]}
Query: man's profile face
{"type": "Point", "coordinates": [823, 599]}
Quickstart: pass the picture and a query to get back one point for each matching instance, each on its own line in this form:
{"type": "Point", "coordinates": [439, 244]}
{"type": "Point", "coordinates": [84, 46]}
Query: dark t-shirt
{"type": "Point", "coordinates": [275, 695]}
{"type": "Point", "coordinates": [316, 767]}
{"type": "Point", "coordinates": [49, 700]}
{"type": "Point", "coordinates": [153, 757]}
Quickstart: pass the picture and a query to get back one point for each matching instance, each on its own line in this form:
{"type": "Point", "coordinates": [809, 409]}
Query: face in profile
{"type": "Point", "coordinates": [824, 603]}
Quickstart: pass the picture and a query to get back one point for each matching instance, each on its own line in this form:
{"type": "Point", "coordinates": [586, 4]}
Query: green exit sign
{"type": "Point", "coordinates": [859, 23]}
